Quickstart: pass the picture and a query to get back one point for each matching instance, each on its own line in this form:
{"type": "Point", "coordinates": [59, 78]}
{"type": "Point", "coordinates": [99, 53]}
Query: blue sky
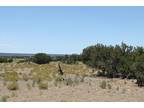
{"type": "Point", "coordinates": [66, 30]}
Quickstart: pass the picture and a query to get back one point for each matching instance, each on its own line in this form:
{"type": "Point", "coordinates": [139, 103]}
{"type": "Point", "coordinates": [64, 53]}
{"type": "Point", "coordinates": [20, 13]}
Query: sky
{"type": "Point", "coordinates": [67, 30]}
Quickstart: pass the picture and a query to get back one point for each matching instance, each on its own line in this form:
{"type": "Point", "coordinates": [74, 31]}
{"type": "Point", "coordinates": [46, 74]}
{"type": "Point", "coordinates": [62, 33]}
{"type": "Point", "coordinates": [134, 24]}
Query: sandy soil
{"type": "Point", "coordinates": [87, 91]}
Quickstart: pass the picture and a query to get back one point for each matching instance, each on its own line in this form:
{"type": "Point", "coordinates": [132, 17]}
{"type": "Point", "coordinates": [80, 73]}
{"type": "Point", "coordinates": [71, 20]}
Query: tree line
{"type": "Point", "coordinates": [6, 60]}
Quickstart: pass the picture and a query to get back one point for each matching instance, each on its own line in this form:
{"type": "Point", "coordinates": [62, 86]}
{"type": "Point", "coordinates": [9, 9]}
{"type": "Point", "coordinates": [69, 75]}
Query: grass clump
{"type": "Point", "coordinates": [43, 85]}
{"type": "Point", "coordinates": [109, 86]}
{"type": "Point", "coordinates": [13, 94]}
{"type": "Point", "coordinates": [103, 84]}
{"type": "Point", "coordinates": [59, 79]}
{"type": "Point", "coordinates": [69, 82]}
{"type": "Point", "coordinates": [29, 86]}
{"type": "Point", "coordinates": [12, 86]}
{"type": "Point", "coordinates": [117, 88]}
{"type": "Point", "coordinates": [4, 98]}
{"type": "Point", "coordinates": [124, 90]}
{"type": "Point", "coordinates": [25, 77]}
{"type": "Point", "coordinates": [10, 76]}
{"type": "Point", "coordinates": [33, 83]}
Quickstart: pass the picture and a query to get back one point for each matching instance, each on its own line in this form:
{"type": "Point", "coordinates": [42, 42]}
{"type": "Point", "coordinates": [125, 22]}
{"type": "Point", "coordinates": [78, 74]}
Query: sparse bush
{"type": "Point", "coordinates": [29, 86]}
{"type": "Point", "coordinates": [109, 86]}
{"type": "Point", "coordinates": [33, 83]}
{"type": "Point", "coordinates": [25, 77]}
{"type": "Point", "coordinates": [4, 83]}
{"type": "Point", "coordinates": [69, 82]}
{"type": "Point", "coordinates": [73, 81]}
{"type": "Point", "coordinates": [41, 58]}
{"type": "Point", "coordinates": [117, 88]}
{"type": "Point", "coordinates": [69, 59]}
{"type": "Point", "coordinates": [12, 86]}
{"type": "Point", "coordinates": [59, 79]}
{"type": "Point", "coordinates": [4, 98]}
{"type": "Point", "coordinates": [13, 94]}
{"type": "Point", "coordinates": [43, 85]}
{"type": "Point", "coordinates": [82, 79]}
{"type": "Point", "coordinates": [125, 82]}
{"type": "Point", "coordinates": [123, 91]}
{"type": "Point", "coordinates": [103, 84]}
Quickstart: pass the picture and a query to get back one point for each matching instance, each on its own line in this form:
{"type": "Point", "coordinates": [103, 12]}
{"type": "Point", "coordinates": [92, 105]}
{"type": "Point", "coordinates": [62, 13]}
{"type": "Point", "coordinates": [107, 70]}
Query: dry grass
{"type": "Point", "coordinates": [32, 82]}
{"type": "Point", "coordinates": [12, 85]}
{"type": "Point", "coordinates": [43, 85]}
{"type": "Point", "coordinates": [4, 98]}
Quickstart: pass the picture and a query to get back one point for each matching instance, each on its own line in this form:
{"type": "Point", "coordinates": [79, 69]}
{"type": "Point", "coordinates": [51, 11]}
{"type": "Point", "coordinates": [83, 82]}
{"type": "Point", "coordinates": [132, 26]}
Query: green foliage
{"type": "Point", "coordinates": [71, 59]}
{"type": "Point", "coordinates": [41, 58]}
{"type": "Point", "coordinates": [6, 60]}
{"type": "Point", "coordinates": [24, 60]}
{"type": "Point", "coordinates": [139, 73]}
{"type": "Point", "coordinates": [120, 61]}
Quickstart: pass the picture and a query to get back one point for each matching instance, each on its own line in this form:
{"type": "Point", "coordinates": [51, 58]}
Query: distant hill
{"type": "Point", "coordinates": [24, 55]}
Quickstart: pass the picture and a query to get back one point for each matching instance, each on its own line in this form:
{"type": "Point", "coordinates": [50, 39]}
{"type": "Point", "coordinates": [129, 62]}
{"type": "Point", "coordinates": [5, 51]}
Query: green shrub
{"type": "Point", "coordinates": [119, 61]}
{"type": "Point", "coordinates": [70, 59]}
{"type": "Point", "coordinates": [41, 58]}
{"type": "Point", "coordinates": [6, 60]}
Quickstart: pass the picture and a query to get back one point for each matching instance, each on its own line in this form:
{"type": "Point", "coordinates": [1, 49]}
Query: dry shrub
{"type": "Point", "coordinates": [12, 86]}
{"type": "Point", "coordinates": [103, 85]}
{"type": "Point", "coordinates": [43, 85]}
{"type": "Point", "coordinates": [109, 86]}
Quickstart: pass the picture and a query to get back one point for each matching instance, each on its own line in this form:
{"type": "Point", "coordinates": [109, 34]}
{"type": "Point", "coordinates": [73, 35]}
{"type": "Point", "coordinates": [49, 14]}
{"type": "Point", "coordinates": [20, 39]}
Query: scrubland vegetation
{"type": "Point", "coordinates": [120, 61]}
{"type": "Point", "coordinates": [42, 72]}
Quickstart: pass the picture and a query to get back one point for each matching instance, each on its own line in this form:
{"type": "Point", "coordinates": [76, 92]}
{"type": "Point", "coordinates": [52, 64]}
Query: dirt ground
{"type": "Point", "coordinates": [88, 91]}
{"type": "Point", "coordinates": [75, 88]}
